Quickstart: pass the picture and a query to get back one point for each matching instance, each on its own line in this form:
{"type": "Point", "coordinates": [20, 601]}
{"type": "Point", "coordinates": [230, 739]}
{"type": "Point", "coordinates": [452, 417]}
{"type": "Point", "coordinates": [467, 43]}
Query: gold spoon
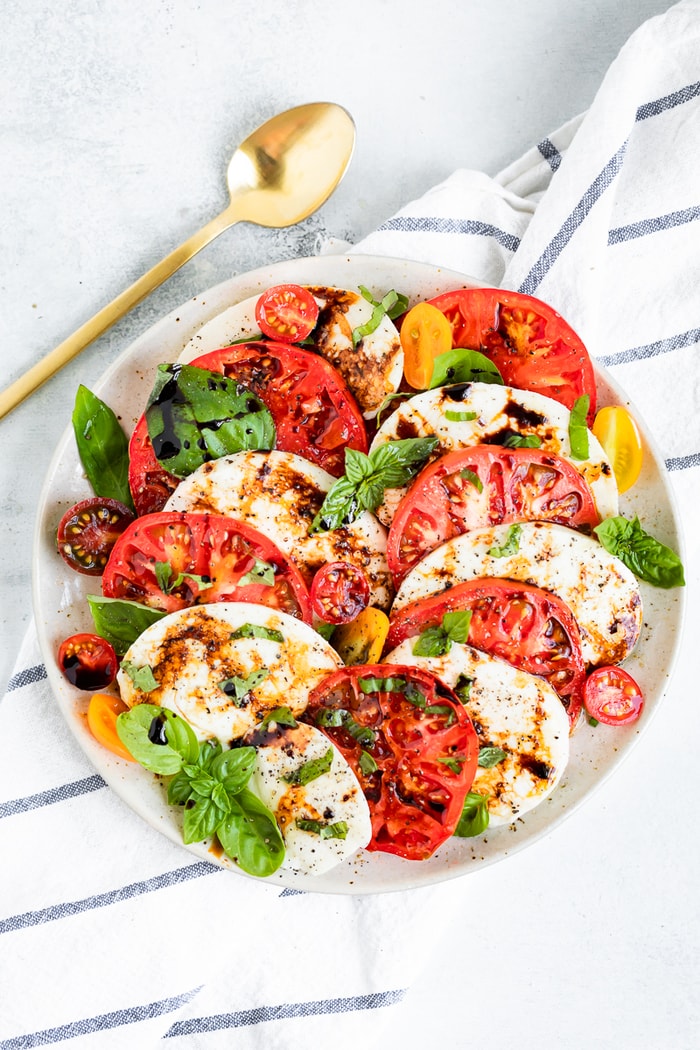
{"type": "Point", "coordinates": [280, 175]}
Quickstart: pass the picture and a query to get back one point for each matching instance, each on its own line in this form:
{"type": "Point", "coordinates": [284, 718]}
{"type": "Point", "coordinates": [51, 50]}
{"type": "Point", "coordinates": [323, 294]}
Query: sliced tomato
{"type": "Point", "coordinates": [173, 559]}
{"type": "Point", "coordinates": [483, 485]}
{"type": "Point", "coordinates": [102, 714]}
{"type": "Point", "coordinates": [150, 484]}
{"type": "Point", "coordinates": [287, 312]}
{"type": "Point", "coordinates": [411, 745]}
{"type": "Point", "coordinates": [314, 412]}
{"type": "Point", "coordinates": [339, 592]}
{"type": "Point", "coordinates": [88, 531]}
{"type": "Point", "coordinates": [612, 696]}
{"type": "Point", "coordinates": [530, 628]}
{"type": "Point", "coordinates": [532, 345]}
{"type": "Point", "coordinates": [619, 435]}
{"type": "Point", "coordinates": [88, 661]}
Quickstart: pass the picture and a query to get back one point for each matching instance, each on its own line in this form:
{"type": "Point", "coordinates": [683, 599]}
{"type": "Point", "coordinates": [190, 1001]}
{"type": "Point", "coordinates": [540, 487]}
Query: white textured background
{"type": "Point", "coordinates": [116, 123]}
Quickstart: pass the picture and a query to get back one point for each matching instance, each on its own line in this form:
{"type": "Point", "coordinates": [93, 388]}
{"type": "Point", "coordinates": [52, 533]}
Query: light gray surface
{"type": "Point", "coordinates": [117, 123]}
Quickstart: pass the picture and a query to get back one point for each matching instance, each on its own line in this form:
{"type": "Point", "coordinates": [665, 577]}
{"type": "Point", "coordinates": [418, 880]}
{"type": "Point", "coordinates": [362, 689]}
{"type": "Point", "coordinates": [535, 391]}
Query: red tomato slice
{"type": "Point", "coordinates": [532, 345]}
{"type": "Point", "coordinates": [483, 485]}
{"type": "Point", "coordinates": [339, 592]}
{"type": "Point", "coordinates": [88, 661]}
{"type": "Point", "coordinates": [287, 312]}
{"type": "Point", "coordinates": [150, 484]}
{"type": "Point", "coordinates": [411, 745]}
{"type": "Point", "coordinates": [315, 414]}
{"type": "Point", "coordinates": [530, 628]}
{"type": "Point", "coordinates": [612, 696]}
{"type": "Point", "coordinates": [174, 559]}
{"type": "Point", "coordinates": [88, 531]}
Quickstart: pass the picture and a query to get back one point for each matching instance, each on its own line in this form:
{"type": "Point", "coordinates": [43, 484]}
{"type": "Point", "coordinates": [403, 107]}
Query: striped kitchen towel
{"type": "Point", "coordinates": [112, 936]}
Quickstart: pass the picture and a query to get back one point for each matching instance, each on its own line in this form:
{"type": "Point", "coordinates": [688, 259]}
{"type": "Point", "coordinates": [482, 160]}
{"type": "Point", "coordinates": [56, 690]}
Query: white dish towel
{"type": "Point", "coordinates": [110, 936]}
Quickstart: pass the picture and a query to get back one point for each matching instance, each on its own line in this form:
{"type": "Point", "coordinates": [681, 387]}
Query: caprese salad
{"type": "Point", "coordinates": [363, 571]}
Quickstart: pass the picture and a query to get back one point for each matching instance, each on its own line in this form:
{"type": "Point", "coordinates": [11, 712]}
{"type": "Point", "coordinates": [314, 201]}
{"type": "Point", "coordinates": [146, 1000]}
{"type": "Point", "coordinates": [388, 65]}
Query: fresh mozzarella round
{"type": "Point", "coordinates": [332, 805]}
{"type": "Point", "coordinates": [498, 410]}
{"type": "Point", "coordinates": [201, 669]}
{"type": "Point", "coordinates": [279, 494]}
{"type": "Point", "coordinates": [511, 710]}
{"type": "Point", "coordinates": [602, 593]}
{"type": "Point", "coordinates": [372, 369]}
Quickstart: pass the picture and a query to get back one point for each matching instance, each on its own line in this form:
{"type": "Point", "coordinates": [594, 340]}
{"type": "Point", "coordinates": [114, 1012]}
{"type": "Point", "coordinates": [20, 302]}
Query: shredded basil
{"type": "Point", "coordinates": [141, 675]}
{"type": "Point", "coordinates": [469, 475]}
{"type": "Point", "coordinates": [514, 440]}
{"type": "Point", "coordinates": [490, 756]}
{"type": "Point", "coordinates": [459, 417]}
{"type": "Point", "coordinates": [252, 630]}
{"type": "Point", "coordinates": [262, 572]}
{"type": "Point", "coordinates": [239, 688]}
{"type": "Point", "coordinates": [578, 429]}
{"type": "Point", "coordinates": [392, 305]}
{"type": "Point", "coordinates": [339, 830]}
{"type": "Point", "coordinates": [510, 545]}
{"type": "Point", "coordinates": [311, 770]}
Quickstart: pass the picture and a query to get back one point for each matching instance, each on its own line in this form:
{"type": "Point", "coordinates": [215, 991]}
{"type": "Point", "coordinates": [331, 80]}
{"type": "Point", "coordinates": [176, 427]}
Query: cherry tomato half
{"type": "Point", "coordinates": [88, 661]}
{"type": "Point", "coordinates": [287, 312]}
{"type": "Point", "coordinates": [411, 745]}
{"type": "Point", "coordinates": [612, 696]}
{"type": "Point", "coordinates": [102, 714]}
{"type": "Point", "coordinates": [339, 592]}
{"type": "Point", "coordinates": [425, 333]}
{"type": "Point", "coordinates": [88, 531]}
{"type": "Point", "coordinates": [362, 640]}
{"type": "Point", "coordinates": [618, 434]}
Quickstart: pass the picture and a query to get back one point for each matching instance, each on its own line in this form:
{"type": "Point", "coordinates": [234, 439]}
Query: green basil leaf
{"type": "Point", "coordinates": [402, 394]}
{"type": "Point", "coordinates": [234, 768]}
{"type": "Point", "coordinates": [578, 428]}
{"type": "Point", "coordinates": [103, 447]}
{"type": "Point", "coordinates": [180, 735]}
{"type": "Point", "coordinates": [392, 305]}
{"type": "Point", "coordinates": [475, 816]}
{"type": "Point", "coordinates": [164, 578]}
{"type": "Point", "coordinates": [460, 417]}
{"type": "Point", "coordinates": [252, 630]}
{"type": "Point", "coordinates": [134, 729]}
{"type": "Point", "coordinates": [514, 440]}
{"type": "Point", "coordinates": [121, 622]}
{"type": "Point", "coordinates": [463, 687]}
{"type": "Point", "coordinates": [463, 366]}
{"type": "Point", "coordinates": [433, 641]}
{"type": "Point", "coordinates": [645, 556]}
{"type": "Point", "coordinates": [194, 415]}
{"type": "Point", "coordinates": [326, 630]}
{"type": "Point", "coordinates": [179, 789]}
{"type": "Point", "coordinates": [442, 709]}
{"type": "Point", "coordinates": [141, 675]}
{"type": "Point", "coordinates": [331, 717]}
{"type": "Point", "coordinates": [262, 572]}
{"type": "Point", "coordinates": [311, 770]}
{"type": "Point", "coordinates": [250, 836]}
{"type": "Point", "coordinates": [200, 820]}
{"type": "Point", "coordinates": [367, 763]}
{"type": "Point", "coordinates": [239, 688]}
{"type": "Point", "coordinates": [339, 830]}
{"type": "Point", "coordinates": [510, 545]}
{"type": "Point", "coordinates": [340, 507]}
{"type": "Point", "coordinates": [394, 684]}
{"type": "Point", "coordinates": [282, 716]}
{"type": "Point", "coordinates": [469, 475]}
{"type": "Point", "coordinates": [453, 762]}
{"type": "Point", "coordinates": [456, 625]}
{"type": "Point", "coordinates": [490, 756]}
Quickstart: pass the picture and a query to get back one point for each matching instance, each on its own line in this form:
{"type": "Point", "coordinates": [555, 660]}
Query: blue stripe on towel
{"type": "Point", "coordinates": [653, 225]}
{"type": "Point", "coordinates": [52, 795]}
{"type": "Point", "coordinates": [26, 677]}
{"type": "Point", "coordinates": [438, 224]}
{"type": "Point", "coordinates": [550, 153]}
{"type": "Point", "coordinates": [683, 462]}
{"type": "Point", "coordinates": [660, 346]}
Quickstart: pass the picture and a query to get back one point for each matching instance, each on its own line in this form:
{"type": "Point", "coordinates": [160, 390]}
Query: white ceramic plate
{"type": "Point", "coordinates": [61, 609]}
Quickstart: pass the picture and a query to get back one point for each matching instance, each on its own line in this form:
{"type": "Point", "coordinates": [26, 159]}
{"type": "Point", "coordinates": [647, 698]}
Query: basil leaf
{"type": "Point", "coordinates": [134, 729]}
{"type": "Point", "coordinates": [340, 507]}
{"type": "Point", "coordinates": [102, 446]}
{"type": "Point", "coordinates": [578, 429]}
{"type": "Point", "coordinates": [647, 558]}
{"type": "Point", "coordinates": [475, 816]}
{"type": "Point", "coordinates": [392, 305]}
{"type": "Point", "coordinates": [510, 545]}
{"type": "Point", "coordinates": [460, 417]}
{"type": "Point", "coordinates": [262, 572]}
{"type": "Point", "coordinates": [179, 789]}
{"type": "Point", "coordinates": [141, 675]}
{"type": "Point", "coordinates": [454, 763]}
{"type": "Point", "coordinates": [250, 836]}
{"type": "Point", "coordinates": [402, 394]}
{"type": "Point", "coordinates": [121, 622]}
{"type": "Point", "coordinates": [463, 687]}
{"type": "Point", "coordinates": [239, 688]}
{"type": "Point", "coordinates": [233, 768]}
{"type": "Point", "coordinates": [282, 716]}
{"type": "Point", "coordinates": [433, 641]}
{"type": "Point", "coordinates": [252, 630]}
{"type": "Point", "coordinates": [194, 415]}
{"type": "Point", "coordinates": [200, 820]}
{"type": "Point", "coordinates": [514, 440]}
{"type": "Point", "coordinates": [331, 717]}
{"type": "Point", "coordinates": [490, 756]}
{"type": "Point", "coordinates": [164, 573]}
{"type": "Point", "coordinates": [326, 630]}
{"type": "Point", "coordinates": [456, 625]}
{"type": "Point", "coordinates": [367, 763]}
{"type": "Point", "coordinates": [311, 770]}
{"type": "Point", "coordinates": [339, 830]}
{"type": "Point", "coordinates": [394, 684]}
{"type": "Point", "coordinates": [463, 366]}
{"type": "Point", "coordinates": [469, 475]}
{"type": "Point", "coordinates": [442, 709]}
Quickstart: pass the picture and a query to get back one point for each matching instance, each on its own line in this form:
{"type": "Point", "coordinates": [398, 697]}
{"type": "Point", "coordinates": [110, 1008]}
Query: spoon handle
{"type": "Point", "coordinates": [12, 395]}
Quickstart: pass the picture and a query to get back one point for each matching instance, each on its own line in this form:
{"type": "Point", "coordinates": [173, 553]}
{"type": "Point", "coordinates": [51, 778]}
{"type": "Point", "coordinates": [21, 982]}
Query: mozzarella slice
{"type": "Point", "coordinates": [279, 494]}
{"type": "Point", "coordinates": [511, 710]}
{"type": "Point", "coordinates": [372, 369]}
{"type": "Point", "coordinates": [602, 593]}
{"type": "Point", "coordinates": [498, 410]}
{"type": "Point", "coordinates": [192, 654]}
{"type": "Point", "coordinates": [332, 803]}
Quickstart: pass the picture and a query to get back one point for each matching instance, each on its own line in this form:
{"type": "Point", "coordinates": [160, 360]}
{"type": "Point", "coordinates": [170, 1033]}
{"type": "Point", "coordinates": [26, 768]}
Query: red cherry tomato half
{"type": "Point", "coordinates": [339, 592]}
{"type": "Point", "coordinates": [471, 488]}
{"type": "Point", "coordinates": [532, 345]}
{"type": "Point", "coordinates": [411, 745]}
{"type": "Point", "coordinates": [287, 312]}
{"type": "Point", "coordinates": [88, 661]}
{"type": "Point", "coordinates": [174, 559]}
{"type": "Point", "coordinates": [612, 696]}
{"type": "Point", "coordinates": [88, 531]}
{"type": "Point", "coordinates": [150, 484]}
{"type": "Point", "coordinates": [530, 628]}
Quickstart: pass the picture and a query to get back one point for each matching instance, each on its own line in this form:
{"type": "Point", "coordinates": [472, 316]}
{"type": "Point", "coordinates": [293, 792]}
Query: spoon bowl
{"type": "Point", "coordinates": [282, 173]}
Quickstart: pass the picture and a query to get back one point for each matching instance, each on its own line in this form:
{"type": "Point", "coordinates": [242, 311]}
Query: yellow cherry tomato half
{"type": "Point", "coordinates": [102, 715]}
{"type": "Point", "coordinates": [618, 434]}
{"type": "Point", "coordinates": [362, 640]}
{"type": "Point", "coordinates": [425, 333]}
